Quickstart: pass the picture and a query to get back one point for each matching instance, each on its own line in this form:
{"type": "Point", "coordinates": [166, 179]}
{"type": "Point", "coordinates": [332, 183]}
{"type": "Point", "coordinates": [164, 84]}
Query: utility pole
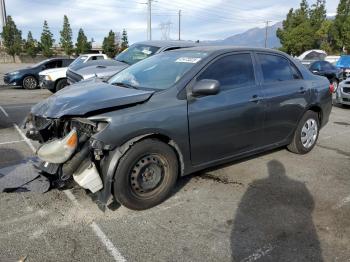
{"type": "Point", "coordinates": [2, 13]}
{"type": "Point", "coordinates": [179, 25]}
{"type": "Point", "coordinates": [149, 20]}
{"type": "Point", "coordinates": [266, 28]}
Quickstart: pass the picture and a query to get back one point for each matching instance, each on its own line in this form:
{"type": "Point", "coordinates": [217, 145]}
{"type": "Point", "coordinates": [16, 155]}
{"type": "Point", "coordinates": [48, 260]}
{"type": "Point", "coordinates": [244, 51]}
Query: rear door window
{"type": "Point", "coordinates": [275, 68]}
{"type": "Point", "coordinates": [231, 71]}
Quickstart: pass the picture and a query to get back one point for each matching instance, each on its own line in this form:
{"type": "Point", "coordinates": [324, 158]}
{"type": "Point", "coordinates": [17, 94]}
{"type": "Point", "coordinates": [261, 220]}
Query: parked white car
{"type": "Point", "coordinates": [55, 79]}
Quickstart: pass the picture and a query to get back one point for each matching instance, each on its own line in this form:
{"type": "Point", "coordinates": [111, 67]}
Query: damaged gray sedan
{"type": "Point", "coordinates": [175, 113]}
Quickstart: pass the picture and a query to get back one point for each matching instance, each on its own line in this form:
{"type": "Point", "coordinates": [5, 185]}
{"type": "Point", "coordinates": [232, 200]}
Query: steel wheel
{"type": "Point", "coordinates": [147, 174]}
{"type": "Point", "coordinates": [309, 133]}
{"type": "Point", "coordinates": [30, 82]}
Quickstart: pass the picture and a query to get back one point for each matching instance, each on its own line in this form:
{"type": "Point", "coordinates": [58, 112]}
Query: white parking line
{"type": "Point", "coordinates": [3, 111]}
{"type": "Point", "coordinates": [114, 252]}
{"type": "Point", "coordinates": [12, 142]}
{"type": "Point", "coordinates": [25, 138]}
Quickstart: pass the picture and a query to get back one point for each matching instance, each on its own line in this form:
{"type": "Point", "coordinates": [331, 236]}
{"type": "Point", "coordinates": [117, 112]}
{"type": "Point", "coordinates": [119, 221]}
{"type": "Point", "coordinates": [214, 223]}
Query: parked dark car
{"type": "Point", "coordinates": [176, 113]}
{"type": "Point", "coordinates": [344, 64]}
{"type": "Point", "coordinates": [324, 68]}
{"type": "Point", "coordinates": [106, 68]}
{"type": "Point", "coordinates": [29, 77]}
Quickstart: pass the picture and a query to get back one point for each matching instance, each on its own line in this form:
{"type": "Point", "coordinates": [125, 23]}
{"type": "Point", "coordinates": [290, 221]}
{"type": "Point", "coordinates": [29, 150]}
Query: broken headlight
{"type": "Point", "coordinates": [59, 150]}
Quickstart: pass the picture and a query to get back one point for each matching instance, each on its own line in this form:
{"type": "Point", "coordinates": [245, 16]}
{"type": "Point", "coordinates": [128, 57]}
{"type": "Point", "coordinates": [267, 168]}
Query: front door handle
{"type": "Point", "coordinates": [255, 99]}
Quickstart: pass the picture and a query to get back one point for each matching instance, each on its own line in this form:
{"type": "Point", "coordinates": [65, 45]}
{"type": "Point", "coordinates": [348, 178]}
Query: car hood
{"type": "Point", "coordinates": [86, 97]}
{"type": "Point", "coordinates": [101, 70]}
{"type": "Point", "coordinates": [53, 70]}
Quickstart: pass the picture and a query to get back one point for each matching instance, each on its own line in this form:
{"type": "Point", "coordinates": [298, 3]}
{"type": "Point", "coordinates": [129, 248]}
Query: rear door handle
{"type": "Point", "coordinates": [255, 99]}
{"type": "Point", "coordinates": [302, 90]}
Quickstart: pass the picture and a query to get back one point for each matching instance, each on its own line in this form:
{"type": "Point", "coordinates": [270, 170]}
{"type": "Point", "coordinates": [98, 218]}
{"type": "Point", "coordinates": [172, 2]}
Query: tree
{"type": "Point", "coordinates": [341, 25]}
{"type": "Point", "coordinates": [82, 45]}
{"type": "Point", "coordinates": [31, 45]}
{"type": "Point", "coordinates": [298, 32]}
{"type": "Point", "coordinates": [12, 38]}
{"type": "Point", "coordinates": [66, 37]}
{"type": "Point", "coordinates": [46, 41]}
{"type": "Point", "coordinates": [109, 45]}
{"type": "Point", "coordinates": [125, 41]}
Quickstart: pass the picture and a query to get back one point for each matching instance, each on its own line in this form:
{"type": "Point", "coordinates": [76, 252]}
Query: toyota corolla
{"type": "Point", "coordinates": [175, 113]}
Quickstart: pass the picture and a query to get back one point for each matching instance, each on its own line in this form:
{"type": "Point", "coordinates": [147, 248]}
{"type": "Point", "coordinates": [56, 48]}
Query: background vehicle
{"type": "Point", "coordinates": [343, 92]}
{"type": "Point", "coordinates": [324, 68]}
{"type": "Point", "coordinates": [310, 56]}
{"type": "Point", "coordinates": [130, 56]}
{"type": "Point", "coordinates": [29, 77]}
{"type": "Point", "coordinates": [55, 79]}
{"type": "Point", "coordinates": [176, 113]}
{"type": "Point", "coordinates": [344, 64]}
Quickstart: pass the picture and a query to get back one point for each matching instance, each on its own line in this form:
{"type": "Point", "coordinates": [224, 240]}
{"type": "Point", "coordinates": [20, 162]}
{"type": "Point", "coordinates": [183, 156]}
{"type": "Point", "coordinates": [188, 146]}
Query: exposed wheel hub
{"type": "Point", "coordinates": [147, 174]}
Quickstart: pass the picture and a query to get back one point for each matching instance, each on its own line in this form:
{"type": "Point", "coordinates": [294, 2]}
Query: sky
{"type": "Point", "coordinates": [200, 20]}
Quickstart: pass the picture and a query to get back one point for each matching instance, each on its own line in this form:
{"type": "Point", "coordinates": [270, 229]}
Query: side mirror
{"type": "Point", "coordinates": [206, 87]}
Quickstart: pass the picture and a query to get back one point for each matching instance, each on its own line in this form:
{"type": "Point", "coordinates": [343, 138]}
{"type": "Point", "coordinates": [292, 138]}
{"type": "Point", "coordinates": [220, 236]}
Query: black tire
{"type": "Point", "coordinates": [61, 84]}
{"type": "Point", "coordinates": [30, 83]}
{"type": "Point", "coordinates": [297, 146]}
{"type": "Point", "coordinates": [130, 188]}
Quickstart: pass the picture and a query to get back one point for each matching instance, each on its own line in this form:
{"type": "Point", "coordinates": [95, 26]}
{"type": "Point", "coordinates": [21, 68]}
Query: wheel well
{"type": "Point", "coordinates": [165, 139]}
{"type": "Point", "coordinates": [317, 110]}
{"type": "Point", "coordinates": [57, 80]}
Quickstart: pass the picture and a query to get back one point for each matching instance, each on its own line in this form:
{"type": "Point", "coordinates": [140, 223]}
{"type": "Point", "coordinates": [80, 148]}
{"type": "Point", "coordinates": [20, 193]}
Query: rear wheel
{"type": "Point", "coordinates": [30, 82]}
{"type": "Point", "coordinates": [145, 175]}
{"type": "Point", "coordinates": [306, 134]}
{"type": "Point", "coordinates": [61, 84]}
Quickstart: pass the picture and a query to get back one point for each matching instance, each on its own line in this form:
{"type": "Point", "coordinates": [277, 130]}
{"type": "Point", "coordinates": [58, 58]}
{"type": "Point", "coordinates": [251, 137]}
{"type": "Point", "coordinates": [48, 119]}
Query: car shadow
{"type": "Point", "coordinates": [273, 221]}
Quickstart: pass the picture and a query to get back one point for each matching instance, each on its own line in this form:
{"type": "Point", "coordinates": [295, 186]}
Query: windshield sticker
{"type": "Point", "coordinates": [147, 52]}
{"type": "Point", "coordinates": [192, 60]}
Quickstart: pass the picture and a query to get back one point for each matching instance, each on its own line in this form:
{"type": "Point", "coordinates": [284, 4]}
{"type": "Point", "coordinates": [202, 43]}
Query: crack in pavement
{"type": "Point", "coordinates": [339, 151]}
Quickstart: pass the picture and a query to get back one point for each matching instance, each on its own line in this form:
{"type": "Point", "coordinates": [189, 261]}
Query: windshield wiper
{"type": "Point", "coordinates": [124, 85]}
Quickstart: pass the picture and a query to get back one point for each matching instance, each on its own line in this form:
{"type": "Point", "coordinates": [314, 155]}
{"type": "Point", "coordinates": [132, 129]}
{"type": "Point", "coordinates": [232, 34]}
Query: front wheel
{"type": "Point", "coordinates": [306, 134]}
{"type": "Point", "coordinates": [146, 174]}
{"type": "Point", "coordinates": [61, 84]}
{"type": "Point", "coordinates": [30, 82]}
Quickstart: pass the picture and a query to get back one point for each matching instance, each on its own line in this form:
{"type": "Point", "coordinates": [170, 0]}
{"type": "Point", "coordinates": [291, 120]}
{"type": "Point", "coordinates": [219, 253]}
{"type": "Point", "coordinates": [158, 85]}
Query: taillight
{"type": "Point", "coordinates": [331, 88]}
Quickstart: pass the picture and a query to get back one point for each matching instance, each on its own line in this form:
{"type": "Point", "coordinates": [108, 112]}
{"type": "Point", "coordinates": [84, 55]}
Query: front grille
{"type": "Point", "coordinates": [346, 99]}
{"type": "Point", "coordinates": [73, 77]}
{"type": "Point", "coordinates": [346, 90]}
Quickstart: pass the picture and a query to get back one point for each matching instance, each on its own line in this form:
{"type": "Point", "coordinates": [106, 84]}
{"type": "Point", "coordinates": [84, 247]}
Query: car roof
{"type": "Point", "coordinates": [166, 43]}
{"type": "Point", "coordinates": [225, 49]}
{"type": "Point", "coordinates": [59, 58]}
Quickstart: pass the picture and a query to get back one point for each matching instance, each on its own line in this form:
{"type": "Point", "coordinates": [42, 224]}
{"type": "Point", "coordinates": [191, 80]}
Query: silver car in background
{"type": "Point", "coordinates": [135, 53]}
{"type": "Point", "coordinates": [343, 92]}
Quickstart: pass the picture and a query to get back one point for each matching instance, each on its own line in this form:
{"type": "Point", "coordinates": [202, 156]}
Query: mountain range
{"type": "Point", "coordinates": [254, 37]}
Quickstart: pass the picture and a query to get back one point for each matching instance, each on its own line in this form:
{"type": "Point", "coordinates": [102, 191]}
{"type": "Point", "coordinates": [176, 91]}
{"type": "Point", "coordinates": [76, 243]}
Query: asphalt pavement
{"type": "Point", "coordinates": [276, 206]}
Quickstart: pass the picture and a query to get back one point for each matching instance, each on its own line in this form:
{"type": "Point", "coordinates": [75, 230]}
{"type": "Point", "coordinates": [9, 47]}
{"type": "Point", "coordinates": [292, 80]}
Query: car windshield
{"type": "Point", "coordinates": [136, 53]}
{"type": "Point", "coordinates": [344, 61]}
{"type": "Point", "coordinates": [158, 72]}
{"type": "Point", "coordinates": [78, 61]}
